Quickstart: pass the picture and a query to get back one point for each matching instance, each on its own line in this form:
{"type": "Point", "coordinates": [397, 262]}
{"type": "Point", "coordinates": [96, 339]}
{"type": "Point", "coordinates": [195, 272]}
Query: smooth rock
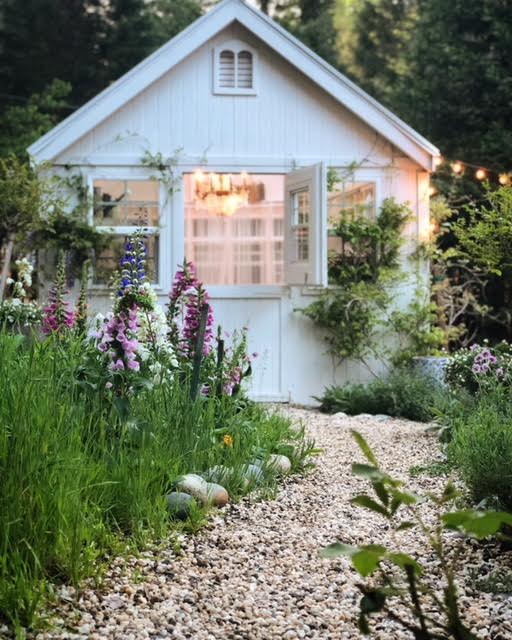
{"type": "Point", "coordinates": [217, 495]}
{"type": "Point", "coordinates": [180, 504]}
{"type": "Point", "coordinates": [364, 416]}
{"type": "Point", "coordinates": [279, 463]}
{"type": "Point", "coordinates": [340, 415]}
{"type": "Point", "coordinates": [252, 473]}
{"type": "Point", "coordinates": [194, 485]}
{"type": "Point", "coordinates": [219, 474]}
{"type": "Point", "coordinates": [382, 417]}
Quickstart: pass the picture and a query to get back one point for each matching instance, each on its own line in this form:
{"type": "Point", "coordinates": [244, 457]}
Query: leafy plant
{"type": "Point", "coordinates": [402, 394]}
{"type": "Point", "coordinates": [481, 447]}
{"type": "Point", "coordinates": [416, 330]}
{"type": "Point", "coordinates": [400, 587]}
{"type": "Point", "coordinates": [480, 367]}
{"type": "Point", "coordinates": [352, 310]}
{"type": "Point", "coordinates": [165, 168]}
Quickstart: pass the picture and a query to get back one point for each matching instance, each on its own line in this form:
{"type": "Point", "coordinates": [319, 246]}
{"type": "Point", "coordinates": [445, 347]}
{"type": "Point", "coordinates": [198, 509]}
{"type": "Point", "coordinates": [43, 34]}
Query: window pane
{"type": "Point", "coordinates": [233, 226]}
{"type": "Point", "coordinates": [301, 214]}
{"type": "Point", "coordinates": [354, 199]}
{"type": "Point", "coordinates": [347, 200]}
{"type": "Point", "coordinates": [126, 203]}
{"type": "Point", "coordinates": [108, 261]}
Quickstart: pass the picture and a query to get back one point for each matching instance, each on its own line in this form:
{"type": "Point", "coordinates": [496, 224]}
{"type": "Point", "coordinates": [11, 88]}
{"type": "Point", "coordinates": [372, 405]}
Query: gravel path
{"type": "Point", "coordinates": [254, 573]}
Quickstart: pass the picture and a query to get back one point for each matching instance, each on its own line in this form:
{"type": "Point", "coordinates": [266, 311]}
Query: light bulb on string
{"type": "Point", "coordinates": [438, 161]}
{"type": "Point", "coordinates": [432, 191]}
{"type": "Point", "coordinates": [480, 174]}
{"type": "Point", "coordinates": [504, 179]}
{"type": "Point", "coordinates": [457, 167]}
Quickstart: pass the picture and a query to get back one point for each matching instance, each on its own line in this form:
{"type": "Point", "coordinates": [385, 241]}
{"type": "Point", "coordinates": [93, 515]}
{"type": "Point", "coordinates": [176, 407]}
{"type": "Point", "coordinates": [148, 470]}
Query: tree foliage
{"type": "Point", "coordinates": [87, 43]}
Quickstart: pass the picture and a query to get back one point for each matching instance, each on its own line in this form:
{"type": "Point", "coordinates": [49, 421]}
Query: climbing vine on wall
{"type": "Point", "coordinates": [65, 227]}
{"type": "Point", "coordinates": [165, 170]}
{"type": "Point", "coordinates": [362, 273]}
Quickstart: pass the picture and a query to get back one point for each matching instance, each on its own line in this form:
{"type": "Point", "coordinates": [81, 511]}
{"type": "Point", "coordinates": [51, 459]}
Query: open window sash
{"type": "Point", "coordinates": [305, 237]}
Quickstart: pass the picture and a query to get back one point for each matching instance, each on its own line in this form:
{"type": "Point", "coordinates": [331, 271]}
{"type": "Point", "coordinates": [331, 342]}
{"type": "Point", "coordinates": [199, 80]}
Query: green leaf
{"type": "Point", "coordinates": [368, 503]}
{"type": "Point", "coordinates": [365, 447]}
{"type": "Point", "coordinates": [367, 559]}
{"type": "Point", "coordinates": [406, 497]}
{"type": "Point", "coordinates": [338, 549]}
{"type": "Point", "coordinates": [368, 472]}
{"type": "Point", "coordinates": [403, 560]}
{"type": "Point", "coordinates": [478, 523]}
{"type": "Point", "coordinates": [406, 524]}
{"type": "Point", "coordinates": [381, 492]}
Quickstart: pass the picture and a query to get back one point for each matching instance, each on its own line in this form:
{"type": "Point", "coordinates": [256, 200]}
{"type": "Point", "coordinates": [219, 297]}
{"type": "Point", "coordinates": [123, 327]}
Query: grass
{"type": "Point", "coordinates": [402, 394]}
{"type": "Point", "coordinates": [434, 469]}
{"type": "Point", "coordinates": [76, 485]}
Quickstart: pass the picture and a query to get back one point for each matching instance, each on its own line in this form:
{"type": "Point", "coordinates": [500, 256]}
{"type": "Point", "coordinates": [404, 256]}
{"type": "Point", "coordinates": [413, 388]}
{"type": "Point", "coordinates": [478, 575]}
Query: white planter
{"type": "Point", "coordinates": [431, 367]}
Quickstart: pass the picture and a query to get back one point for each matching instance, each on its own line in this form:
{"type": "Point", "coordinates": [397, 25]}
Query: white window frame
{"type": "Point", "coordinates": [121, 174]}
{"type": "Point", "coordinates": [236, 46]}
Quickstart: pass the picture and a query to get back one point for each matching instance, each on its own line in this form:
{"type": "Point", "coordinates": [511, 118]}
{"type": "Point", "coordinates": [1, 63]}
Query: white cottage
{"type": "Point", "coordinates": [249, 121]}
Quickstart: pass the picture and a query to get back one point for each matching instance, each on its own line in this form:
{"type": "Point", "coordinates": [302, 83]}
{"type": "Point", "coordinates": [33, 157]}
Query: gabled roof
{"type": "Point", "coordinates": [161, 61]}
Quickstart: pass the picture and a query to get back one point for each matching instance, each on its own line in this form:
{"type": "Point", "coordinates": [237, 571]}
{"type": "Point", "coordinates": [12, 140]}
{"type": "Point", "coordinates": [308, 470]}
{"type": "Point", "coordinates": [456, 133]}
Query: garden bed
{"type": "Point", "coordinates": [255, 571]}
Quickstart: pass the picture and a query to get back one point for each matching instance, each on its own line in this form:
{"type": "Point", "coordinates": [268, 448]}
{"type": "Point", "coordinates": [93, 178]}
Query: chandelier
{"type": "Point", "coordinates": [221, 193]}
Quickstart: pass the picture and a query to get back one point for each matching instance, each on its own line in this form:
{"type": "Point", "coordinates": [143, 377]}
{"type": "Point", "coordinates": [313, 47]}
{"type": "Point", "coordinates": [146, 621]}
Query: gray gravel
{"type": "Point", "coordinates": [255, 574]}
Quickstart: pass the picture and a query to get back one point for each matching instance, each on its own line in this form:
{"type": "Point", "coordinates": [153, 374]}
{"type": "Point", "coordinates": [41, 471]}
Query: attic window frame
{"type": "Point", "coordinates": [236, 47]}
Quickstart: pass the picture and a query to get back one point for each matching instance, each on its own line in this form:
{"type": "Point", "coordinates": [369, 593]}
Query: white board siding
{"type": "Point", "coordinates": [290, 118]}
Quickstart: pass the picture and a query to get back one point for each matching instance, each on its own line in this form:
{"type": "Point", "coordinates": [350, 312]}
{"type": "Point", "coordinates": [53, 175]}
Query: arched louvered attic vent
{"type": "Point", "coordinates": [234, 69]}
{"type": "Point", "coordinates": [227, 69]}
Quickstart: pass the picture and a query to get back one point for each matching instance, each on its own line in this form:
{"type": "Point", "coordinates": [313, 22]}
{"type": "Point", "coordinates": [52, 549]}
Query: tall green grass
{"type": "Point", "coordinates": [75, 481]}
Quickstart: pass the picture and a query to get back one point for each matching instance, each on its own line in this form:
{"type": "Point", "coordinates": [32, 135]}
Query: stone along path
{"type": "Point", "coordinates": [255, 572]}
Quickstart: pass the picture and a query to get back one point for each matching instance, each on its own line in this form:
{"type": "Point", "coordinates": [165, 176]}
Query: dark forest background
{"type": "Point", "coordinates": [444, 67]}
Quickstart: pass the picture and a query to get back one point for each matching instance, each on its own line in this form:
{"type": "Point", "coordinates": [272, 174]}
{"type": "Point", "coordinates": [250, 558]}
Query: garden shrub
{"type": "Point", "coordinates": [481, 447]}
{"type": "Point", "coordinates": [480, 367]}
{"type": "Point", "coordinates": [402, 394]}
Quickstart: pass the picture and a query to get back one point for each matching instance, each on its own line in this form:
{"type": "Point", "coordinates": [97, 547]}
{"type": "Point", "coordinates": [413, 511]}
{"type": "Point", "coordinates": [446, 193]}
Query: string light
{"type": "Point", "coordinates": [432, 191]}
{"type": "Point", "coordinates": [481, 173]}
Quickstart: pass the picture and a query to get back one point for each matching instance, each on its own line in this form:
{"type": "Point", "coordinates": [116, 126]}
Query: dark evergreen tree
{"type": "Point", "coordinates": [45, 39]}
{"type": "Point", "coordinates": [373, 39]}
{"type": "Point", "coordinates": [87, 43]}
{"type": "Point", "coordinates": [312, 21]}
{"type": "Point", "coordinates": [458, 87]}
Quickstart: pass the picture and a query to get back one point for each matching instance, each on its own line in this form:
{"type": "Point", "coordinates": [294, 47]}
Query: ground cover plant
{"type": "Point", "coordinates": [98, 424]}
{"type": "Point", "coordinates": [402, 394]}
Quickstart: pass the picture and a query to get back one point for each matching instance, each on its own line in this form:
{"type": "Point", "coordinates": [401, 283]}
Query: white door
{"type": "Point", "coordinates": [305, 238]}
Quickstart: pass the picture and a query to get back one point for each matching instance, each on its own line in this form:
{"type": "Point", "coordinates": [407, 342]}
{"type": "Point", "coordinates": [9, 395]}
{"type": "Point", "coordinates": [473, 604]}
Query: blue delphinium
{"type": "Point", "coordinates": [133, 286]}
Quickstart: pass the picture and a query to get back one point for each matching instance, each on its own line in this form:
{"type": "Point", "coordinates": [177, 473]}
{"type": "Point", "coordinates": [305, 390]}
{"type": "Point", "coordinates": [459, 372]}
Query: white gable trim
{"type": "Point", "coordinates": [161, 61]}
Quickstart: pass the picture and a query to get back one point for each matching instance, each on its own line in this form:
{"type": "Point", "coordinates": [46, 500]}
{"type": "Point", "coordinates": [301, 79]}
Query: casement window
{"type": "Point", "coordinates": [234, 69]}
{"type": "Point", "coordinates": [121, 207]}
{"type": "Point", "coordinates": [305, 226]}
